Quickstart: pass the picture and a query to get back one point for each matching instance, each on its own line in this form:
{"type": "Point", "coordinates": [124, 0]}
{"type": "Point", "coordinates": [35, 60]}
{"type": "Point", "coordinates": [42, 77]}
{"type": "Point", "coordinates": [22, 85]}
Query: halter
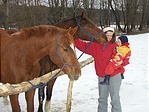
{"type": "Point", "coordinates": [64, 64]}
{"type": "Point", "coordinates": [41, 84]}
{"type": "Point", "coordinates": [92, 37]}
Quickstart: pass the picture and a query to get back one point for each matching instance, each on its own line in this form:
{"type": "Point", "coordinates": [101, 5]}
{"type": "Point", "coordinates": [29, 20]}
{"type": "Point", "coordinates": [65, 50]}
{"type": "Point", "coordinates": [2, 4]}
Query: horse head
{"type": "Point", "coordinates": [87, 30]}
{"type": "Point", "coordinates": [60, 48]}
{"type": "Point", "coordinates": [66, 55]}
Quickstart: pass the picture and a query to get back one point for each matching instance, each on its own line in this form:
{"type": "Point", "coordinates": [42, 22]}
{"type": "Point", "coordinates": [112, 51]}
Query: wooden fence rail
{"type": "Point", "coordinates": [10, 89]}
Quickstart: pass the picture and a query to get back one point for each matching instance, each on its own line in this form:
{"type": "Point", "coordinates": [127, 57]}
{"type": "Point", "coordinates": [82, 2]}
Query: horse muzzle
{"type": "Point", "coordinates": [74, 77]}
{"type": "Point", "coordinates": [77, 76]}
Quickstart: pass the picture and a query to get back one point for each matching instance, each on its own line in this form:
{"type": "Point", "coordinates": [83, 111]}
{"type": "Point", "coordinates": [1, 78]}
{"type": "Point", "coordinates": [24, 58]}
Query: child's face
{"type": "Point", "coordinates": [119, 43]}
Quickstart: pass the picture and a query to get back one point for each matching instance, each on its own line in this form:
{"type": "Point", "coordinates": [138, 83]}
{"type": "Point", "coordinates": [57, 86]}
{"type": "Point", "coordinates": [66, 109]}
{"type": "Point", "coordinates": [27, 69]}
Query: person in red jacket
{"type": "Point", "coordinates": [102, 53]}
{"type": "Point", "coordinates": [122, 53]}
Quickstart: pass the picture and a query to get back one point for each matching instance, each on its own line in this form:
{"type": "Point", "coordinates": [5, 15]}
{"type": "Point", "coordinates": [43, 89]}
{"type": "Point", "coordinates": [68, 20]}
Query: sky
{"type": "Point", "coordinates": [134, 92]}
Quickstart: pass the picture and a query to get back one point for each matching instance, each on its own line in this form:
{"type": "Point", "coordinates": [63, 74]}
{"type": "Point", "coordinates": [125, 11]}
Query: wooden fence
{"type": "Point", "coordinates": [11, 89]}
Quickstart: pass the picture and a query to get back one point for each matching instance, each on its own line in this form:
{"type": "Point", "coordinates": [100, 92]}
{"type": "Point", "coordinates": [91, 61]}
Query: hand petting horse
{"type": "Point", "coordinates": [22, 51]}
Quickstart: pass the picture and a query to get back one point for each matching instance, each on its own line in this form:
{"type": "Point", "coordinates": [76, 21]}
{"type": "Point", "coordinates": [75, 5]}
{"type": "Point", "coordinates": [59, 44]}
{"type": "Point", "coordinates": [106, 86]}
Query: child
{"type": "Point", "coordinates": [123, 54]}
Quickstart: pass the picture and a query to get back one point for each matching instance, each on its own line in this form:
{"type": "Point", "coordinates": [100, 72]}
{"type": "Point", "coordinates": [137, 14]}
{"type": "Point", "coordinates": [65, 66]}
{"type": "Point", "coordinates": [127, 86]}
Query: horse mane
{"type": "Point", "coordinates": [63, 24]}
{"type": "Point", "coordinates": [68, 19]}
{"type": "Point", "coordinates": [78, 18]}
{"type": "Point", "coordinates": [38, 31]}
{"type": "Point", "coordinates": [11, 31]}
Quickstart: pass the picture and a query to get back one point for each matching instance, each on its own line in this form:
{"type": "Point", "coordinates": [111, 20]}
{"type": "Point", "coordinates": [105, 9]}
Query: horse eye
{"type": "Point", "coordinates": [65, 49]}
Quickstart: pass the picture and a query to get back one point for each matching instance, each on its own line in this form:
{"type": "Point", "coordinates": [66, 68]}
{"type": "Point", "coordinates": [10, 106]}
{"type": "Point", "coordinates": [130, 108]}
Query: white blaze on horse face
{"type": "Point", "coordinates": [72, 46]}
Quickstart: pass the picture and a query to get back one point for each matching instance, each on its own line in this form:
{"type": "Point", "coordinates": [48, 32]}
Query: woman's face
{"type": "Point", "coordinates": [109, 35]}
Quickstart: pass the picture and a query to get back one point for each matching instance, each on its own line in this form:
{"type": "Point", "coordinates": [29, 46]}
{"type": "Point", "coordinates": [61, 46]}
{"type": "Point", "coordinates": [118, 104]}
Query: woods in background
{"type": "Point", "coordinates": [127, 15]}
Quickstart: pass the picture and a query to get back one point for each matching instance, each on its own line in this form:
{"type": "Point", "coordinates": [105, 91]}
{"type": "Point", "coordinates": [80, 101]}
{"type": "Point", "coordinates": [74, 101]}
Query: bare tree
{"type": "Point", "coordinates": [143, 10]}
{"type": "Point", "coordinates": [116, 13]}
{"type": "Point", "coordinates": [5, 13]}
{"type": "Point", "coordinates": [147, 14]}
{"type": "Point", "coordinates": [124, 13]}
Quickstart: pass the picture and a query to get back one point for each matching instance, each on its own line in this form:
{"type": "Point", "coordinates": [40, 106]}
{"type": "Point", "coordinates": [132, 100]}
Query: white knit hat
{"type": "Point", "coordinates": [108, 29]}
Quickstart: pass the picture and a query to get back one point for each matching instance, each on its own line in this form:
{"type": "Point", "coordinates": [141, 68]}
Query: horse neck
{"type": "Point", "coordinates": [43, 47]}
{"type": "Point", "coordinates": [67, 24]}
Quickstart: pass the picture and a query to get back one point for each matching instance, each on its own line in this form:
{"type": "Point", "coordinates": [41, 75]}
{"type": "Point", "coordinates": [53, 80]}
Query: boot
{"type": "Point", "coordinates": [106, 80]}
{"type": "Point", "coordinates": [122, 76]}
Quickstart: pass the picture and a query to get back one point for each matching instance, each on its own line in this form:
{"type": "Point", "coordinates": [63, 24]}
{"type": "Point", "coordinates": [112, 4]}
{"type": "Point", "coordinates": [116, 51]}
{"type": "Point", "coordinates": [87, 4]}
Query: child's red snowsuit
{"type": "Point", "coordinates": [123, 53]}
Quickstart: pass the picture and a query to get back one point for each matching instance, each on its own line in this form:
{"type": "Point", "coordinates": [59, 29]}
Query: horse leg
{"type": "Point", "coordinates": [49, 95]}
{"type": "Point", "coordinates": [41, 97]}
{"type": "Point", "coordinates": [29, 96]}
{"type": "Point", "coordinates": [15, 103]}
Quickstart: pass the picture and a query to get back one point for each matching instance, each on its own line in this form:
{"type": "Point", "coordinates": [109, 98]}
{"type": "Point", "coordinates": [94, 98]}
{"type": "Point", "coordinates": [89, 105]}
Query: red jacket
{"type": "Point", "coordinates": [100, 54]}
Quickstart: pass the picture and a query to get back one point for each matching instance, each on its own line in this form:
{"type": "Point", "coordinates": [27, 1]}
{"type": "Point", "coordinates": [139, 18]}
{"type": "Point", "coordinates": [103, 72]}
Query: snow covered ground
{"type": "Point", "coordinates": [134, 91]}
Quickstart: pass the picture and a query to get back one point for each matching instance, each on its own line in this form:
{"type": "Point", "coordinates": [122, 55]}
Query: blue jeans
{"type": "Point", "coordinates": [112, 90]}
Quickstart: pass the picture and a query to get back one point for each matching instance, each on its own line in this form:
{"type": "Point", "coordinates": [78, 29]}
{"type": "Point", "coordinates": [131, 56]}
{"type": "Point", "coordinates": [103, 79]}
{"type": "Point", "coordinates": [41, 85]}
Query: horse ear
{"type": "Point", "coordinates": [72, 31]}
{"type": "Point", "coordinates": [82, 14]}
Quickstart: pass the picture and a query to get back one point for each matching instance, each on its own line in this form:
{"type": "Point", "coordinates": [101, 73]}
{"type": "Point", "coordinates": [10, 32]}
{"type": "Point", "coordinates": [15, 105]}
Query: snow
{"type": "Point", "coordinates": [134, 90]}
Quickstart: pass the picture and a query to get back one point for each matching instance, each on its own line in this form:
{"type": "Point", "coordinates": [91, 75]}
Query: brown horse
{"type": "Point", "coordinates": [21, 53]}
{"type": "Point", "coordinates": [87, 31]}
